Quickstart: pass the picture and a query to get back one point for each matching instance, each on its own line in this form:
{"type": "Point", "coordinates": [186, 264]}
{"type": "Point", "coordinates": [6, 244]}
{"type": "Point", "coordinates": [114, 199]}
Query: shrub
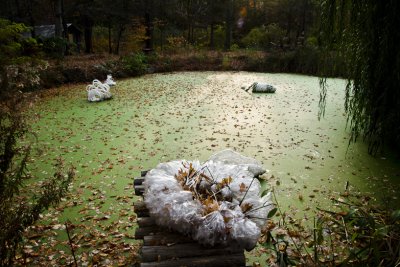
{"type": "Point", "coordinates": [135, 64]}
{"type": "Point", "coordinates": [256, 38]}
{"type": "Point", "coordinates": [226, 62]}
{"type": "Point", "coordinates": [20, 204]}
{"type": "Point", "coordinates": [274, 34]}
{"type": "Point", "coordinates": [100, 35]}
{"type": "Point", "coordinates": [353, 232]}
{"type": "Point", "coordinates": [176, 43]}
{"type": "Point", "coordinates": [53, 47]}
{"type": "Point", "coordinates": [264, 37]}
{"type": "Point", "coordinates": [219, 37]}
{"type": "Point", "coordinates": [24, 76]}
{"type": "Point", "coordinates": [312, 41]}
{"type": "Point", "coordinates": [234, 47]}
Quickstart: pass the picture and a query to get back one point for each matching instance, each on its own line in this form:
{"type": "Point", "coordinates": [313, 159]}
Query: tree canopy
{"type": "Point", "coordinates": [365, 35]}
{"type": "Point", "coordinates": [215, 24]}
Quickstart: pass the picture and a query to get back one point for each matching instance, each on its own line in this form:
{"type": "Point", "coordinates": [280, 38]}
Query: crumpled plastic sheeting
{"type": "Point", "coordinates": [261, 88]}
{"type": "Point", "coordinates": [177, 209]}
{"type": "Point", "coordinates": [98, 91]}
{"type": "Point", "coordinates": [110, 81]}
{"type": "Point", "coordinates": [229, 156]}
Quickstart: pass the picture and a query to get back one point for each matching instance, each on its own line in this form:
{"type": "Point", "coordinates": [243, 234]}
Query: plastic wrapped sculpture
{"type": "Point", "coordinates": [110, 81]}
{"type": "Point", "coordinates": [216, 203]}
{"type": "Point", "coordinates": [261, 88]}
{"type": "Point", "coordinates": [98, 91]}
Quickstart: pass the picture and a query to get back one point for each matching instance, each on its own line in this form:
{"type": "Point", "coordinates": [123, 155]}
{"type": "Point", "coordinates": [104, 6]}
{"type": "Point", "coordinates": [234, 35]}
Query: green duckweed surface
{"type": "Point", "coordinates": [162, 117]}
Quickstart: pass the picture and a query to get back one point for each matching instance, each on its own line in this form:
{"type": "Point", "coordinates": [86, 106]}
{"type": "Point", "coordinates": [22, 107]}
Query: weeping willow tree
{"type": "Point", "coordinates": [365, 35]}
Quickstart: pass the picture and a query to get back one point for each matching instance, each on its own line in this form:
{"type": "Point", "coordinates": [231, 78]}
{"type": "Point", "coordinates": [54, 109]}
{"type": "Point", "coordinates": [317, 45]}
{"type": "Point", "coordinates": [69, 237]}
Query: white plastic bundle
{"type": "Point", "coordinates": [110, 81]}
{"type": "Point", "coordinates": [261, 88]}
{"type": "Point", "coordinates": [233, 210]}
{"type": "Point", "coordinates": [98, 91]}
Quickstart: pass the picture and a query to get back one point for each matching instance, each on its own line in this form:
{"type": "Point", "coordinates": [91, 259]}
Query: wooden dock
{"type": "Point", "coordinates": [164, 248]}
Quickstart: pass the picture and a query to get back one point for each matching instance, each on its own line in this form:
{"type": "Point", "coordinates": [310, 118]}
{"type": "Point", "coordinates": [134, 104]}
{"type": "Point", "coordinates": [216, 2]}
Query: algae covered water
{"type": "Point", "coordinates": [163, 117]}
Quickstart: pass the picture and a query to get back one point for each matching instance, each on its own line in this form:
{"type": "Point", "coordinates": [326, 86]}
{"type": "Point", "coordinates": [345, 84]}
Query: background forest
{"type": "Point", "coordinates": [120, 26]}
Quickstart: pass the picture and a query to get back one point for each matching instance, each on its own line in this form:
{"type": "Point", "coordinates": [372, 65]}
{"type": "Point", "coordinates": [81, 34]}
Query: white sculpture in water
{"type": "Point", "coordinates": [98, 91]}
{"type": "Point", "coordinates": [261, 88]}
{"type": "Point", "coordinates": [110, 81]}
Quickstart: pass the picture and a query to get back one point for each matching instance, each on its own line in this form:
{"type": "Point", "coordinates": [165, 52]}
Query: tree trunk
{"type": "Point", "coordinates": [31, 19]}
{"type": "Point", "coordinates": [109, 39]}
{"type": "Point", "coordinates": [303, 20]}
{"type": "Point", "coordinates": [192, 39]}
{"type": "Point", "coordinates": [117, 45]}
{"type": "Point", "coordinates": [88, 32]}
{"type": "Point", "coordinates": [228, 25]}
{"type": "Point", "coordinates": [162, 38]}
{"type": "Point", "coordinates": [289, 28]}
{"type": "Point", "coordinates": [212, 45]}
{"type": "Point", "coordinates": [189, 37]}
{"type": "Point", "coordinates": [88, 40]}
{"type": "Point", "coordinates": [65, 30]}
{"type": "Point", "coordinates": [58, 15]}
{"type": "Point", "coordinates": [18, 6]}
{"type": "Point", "coordinates": [59, 26]}
{"type": "Point", "coordinates": [149, 32]}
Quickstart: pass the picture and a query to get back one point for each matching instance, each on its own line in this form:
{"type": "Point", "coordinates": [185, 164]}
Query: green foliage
{"type": "Point", "coordinates": [21, 201]}
{"type": "Point", "coordinates": [274, 34]}
{"type": "Point", "coordinates": [19, 66]}
{"type": "Point", "coordinates": [219, 37]}
{"type": "Point", "coordinates": [366, 36]}
{"type": "Point", "coordinates": [25, 76]}
{"type": "Point", "coordinates": [234, 47]}
{"type": "Point", "coordinates": [371, 235]}
{"type": "Point", "coordinates": [176, 43]}
{"type": "Point", "coordinates": [53, 46]}
{"type": "Point", "coordinates": [256, 38]}
{"type": "Point", "coordinates": [135, 64]}
{"type": "Point", "coordinates": [353, 233]}
{"type": "Point", "coordinates": [15, 49]}
{"type": "Point", "coordinates": [305, 60]}
{"type": "Point", "coordinates": [226, 62]}
{"type": "Point", "coordinates": [263, 37]}
{"type": "Point", "coordinates": [311, 41]}
{"type": "Point", "coordinates": [11, 48]}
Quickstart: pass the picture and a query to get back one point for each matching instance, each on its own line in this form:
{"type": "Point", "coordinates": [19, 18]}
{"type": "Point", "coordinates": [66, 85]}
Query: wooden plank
{"type": "Point", "coordinates": [150, 230]}
{"type": "Point", "coordinates": [140, 209]}
{"type": "Point", "coordinates": [233, 260]}
{"type": "Point", "coordinates": [146, 221]}
{"type": "Point", "coordinates": [138, 181]}
{"type": "Point", "coordinates": [160, 253]}
{"type": "Point", "coordinates": [139, 190]}
{"type": "Point", "coordinates": [166, 239]}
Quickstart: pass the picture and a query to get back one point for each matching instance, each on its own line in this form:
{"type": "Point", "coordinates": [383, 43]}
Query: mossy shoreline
{"type": "Point", "coordinates": [84, 68]}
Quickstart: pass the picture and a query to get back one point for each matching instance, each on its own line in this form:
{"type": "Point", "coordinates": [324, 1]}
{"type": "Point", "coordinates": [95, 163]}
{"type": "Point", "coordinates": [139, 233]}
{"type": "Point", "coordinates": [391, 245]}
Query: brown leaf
{"type": "Point", "coordinates": [242, 187]}
{"type": "Point", "coordinates": [246, 207]}
{"type": "Point", "coordinates": [210, 205]}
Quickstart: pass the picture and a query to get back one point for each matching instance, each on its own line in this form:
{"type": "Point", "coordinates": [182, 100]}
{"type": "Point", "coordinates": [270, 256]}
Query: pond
{"type": "Point", "coordinates": [188, 115]}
